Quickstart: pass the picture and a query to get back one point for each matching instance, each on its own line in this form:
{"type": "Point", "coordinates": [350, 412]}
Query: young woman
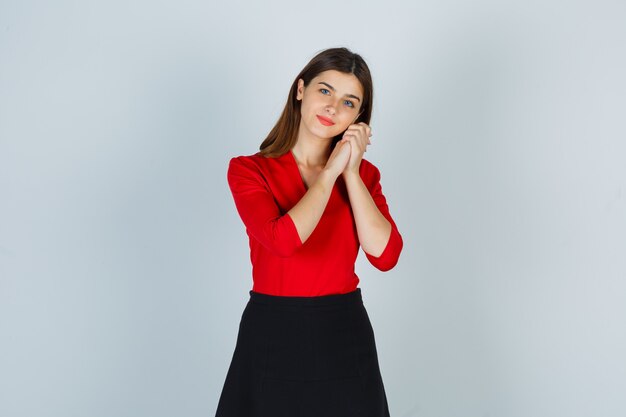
{"type": "Point", "coordinates": [308, 200]}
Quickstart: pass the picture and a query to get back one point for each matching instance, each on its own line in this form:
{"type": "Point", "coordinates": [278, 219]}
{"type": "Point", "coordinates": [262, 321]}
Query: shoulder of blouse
{"type": "Point", "coordinates": [250, 158]}
{"type": "Point", "coordinates": [255, 159]}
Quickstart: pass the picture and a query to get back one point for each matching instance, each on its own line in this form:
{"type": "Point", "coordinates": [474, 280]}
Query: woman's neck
{"type": "Point", "coordinates": [312, 152]}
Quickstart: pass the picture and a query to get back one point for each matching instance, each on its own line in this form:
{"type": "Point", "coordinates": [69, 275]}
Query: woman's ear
{"type": "Point", "coordinates": [300, 90]}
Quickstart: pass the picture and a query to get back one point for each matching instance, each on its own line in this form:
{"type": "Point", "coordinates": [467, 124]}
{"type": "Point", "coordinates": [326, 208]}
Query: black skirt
{"type": "Point", "coordinates": [304, 357]}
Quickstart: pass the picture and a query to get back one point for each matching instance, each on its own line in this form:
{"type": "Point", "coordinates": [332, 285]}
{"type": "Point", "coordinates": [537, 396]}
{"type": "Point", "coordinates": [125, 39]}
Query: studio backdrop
{"type": "Point", "coordinates": [498, 128]}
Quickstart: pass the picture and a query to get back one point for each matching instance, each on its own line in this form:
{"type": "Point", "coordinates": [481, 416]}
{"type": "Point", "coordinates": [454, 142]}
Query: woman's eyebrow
{"type": "Point", "coordinates": [333, 88]}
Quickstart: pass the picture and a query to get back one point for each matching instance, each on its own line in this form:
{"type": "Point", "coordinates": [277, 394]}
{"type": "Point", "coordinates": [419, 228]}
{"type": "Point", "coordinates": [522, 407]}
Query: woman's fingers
{"type": "Point", "coordinates": [361, 131]}
{"type": "Point", "coordinates": [355, 143]}
{"type": "Point", "coordinates": [358, 138]}
{"type": "Point", "coordinates": [339, 157]}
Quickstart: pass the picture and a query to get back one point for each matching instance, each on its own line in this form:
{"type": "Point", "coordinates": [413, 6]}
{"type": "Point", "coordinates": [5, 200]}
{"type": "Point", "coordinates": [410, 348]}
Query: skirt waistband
{"type": "Point", "coordinates": [316, 301]}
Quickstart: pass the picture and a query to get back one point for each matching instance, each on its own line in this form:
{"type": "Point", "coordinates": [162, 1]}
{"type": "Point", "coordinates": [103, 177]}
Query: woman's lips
{"type": "Point", "coordinates": [325, 121]}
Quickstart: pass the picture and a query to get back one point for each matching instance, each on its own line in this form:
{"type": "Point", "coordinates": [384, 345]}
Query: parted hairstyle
{"type": "Point", "coordinates": [283, 135]}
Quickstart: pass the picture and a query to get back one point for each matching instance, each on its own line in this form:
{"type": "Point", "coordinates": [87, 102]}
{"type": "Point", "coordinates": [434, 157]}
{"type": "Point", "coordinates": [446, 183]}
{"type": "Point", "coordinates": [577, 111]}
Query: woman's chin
{"type": "Point", "coordinates": [324, 136]}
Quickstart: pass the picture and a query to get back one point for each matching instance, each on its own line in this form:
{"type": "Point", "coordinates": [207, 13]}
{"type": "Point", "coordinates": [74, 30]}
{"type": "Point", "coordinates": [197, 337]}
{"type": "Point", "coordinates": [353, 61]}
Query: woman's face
{"type": "Point", "coordinates": [330, 103]}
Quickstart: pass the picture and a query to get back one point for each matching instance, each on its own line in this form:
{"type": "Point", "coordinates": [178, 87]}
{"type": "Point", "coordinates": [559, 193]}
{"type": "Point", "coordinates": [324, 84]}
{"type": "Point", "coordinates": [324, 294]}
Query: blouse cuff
{"type": "Point", "coordinates": [390, 255]}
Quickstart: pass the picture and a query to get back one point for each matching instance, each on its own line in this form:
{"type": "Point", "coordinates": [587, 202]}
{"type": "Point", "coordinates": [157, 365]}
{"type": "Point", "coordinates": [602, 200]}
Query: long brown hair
{"type": "Point", "coordinates": [284, 134]}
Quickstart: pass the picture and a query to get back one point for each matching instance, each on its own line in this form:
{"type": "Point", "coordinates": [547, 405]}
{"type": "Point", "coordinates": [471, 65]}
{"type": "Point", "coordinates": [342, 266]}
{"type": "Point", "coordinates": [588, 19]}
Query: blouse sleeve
{"type": "Point", "coordinates": [258, 210]}
{"type": "Point", "coordinates": [390, 255]}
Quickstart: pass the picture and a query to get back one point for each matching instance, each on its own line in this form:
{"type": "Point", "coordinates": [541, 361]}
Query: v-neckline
{"type": "Point", "coordinates": [302, 183]}
{"type": "Point", "coordinates": [295, 163]}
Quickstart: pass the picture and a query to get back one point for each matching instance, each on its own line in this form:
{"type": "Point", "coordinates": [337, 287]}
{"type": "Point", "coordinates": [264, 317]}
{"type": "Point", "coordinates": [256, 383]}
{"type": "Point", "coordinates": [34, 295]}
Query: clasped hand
{"type": "Point", "coordinates": [348, 152]}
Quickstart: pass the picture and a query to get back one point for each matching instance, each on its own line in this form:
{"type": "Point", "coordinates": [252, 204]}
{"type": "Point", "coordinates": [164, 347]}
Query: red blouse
{"type": "Point", "coordinates": [264, 190]}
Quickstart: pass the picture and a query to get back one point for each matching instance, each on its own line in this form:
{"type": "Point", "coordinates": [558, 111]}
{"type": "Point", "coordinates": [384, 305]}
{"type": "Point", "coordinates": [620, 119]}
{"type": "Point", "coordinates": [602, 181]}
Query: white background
{"type": "Point", "coordinates": [499, 130]}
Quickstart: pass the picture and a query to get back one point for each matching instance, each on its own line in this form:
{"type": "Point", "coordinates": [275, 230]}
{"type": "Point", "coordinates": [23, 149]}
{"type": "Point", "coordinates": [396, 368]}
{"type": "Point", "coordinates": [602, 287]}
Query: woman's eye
{"type": "Point", "coordinates": [324, 91]}
{"type": "Point", "coordinates": [349, 103]}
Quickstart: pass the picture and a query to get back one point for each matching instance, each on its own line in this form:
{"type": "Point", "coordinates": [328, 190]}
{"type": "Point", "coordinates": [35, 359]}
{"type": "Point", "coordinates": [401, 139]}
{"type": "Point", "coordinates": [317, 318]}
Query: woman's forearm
{"type": "Point", "coordinates": [372, 227]}
{"type": "Point", "coordinates": [307, 213]}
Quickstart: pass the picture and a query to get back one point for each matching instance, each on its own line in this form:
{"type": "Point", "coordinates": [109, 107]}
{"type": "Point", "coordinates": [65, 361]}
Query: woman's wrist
{"type": "Point", "coordinates": [351, 174]}
{"type": "Point", "coordinates": [328, 175]}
